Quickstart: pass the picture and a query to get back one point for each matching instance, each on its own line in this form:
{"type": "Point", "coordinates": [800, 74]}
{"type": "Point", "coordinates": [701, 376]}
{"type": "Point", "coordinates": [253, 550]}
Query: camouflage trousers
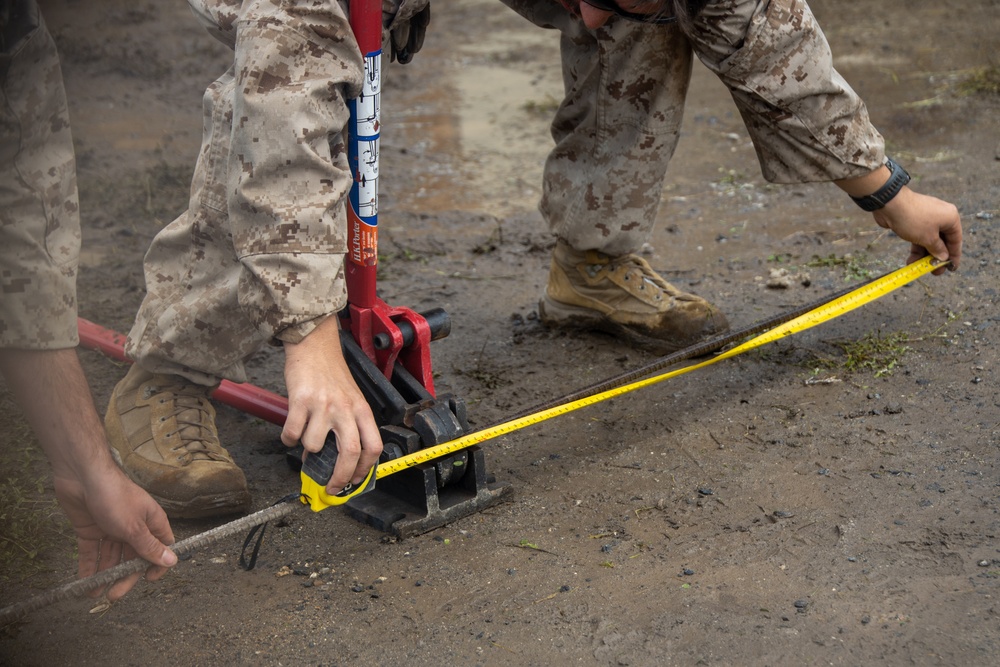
{"type": "Point", "coordinates": [39, 207]}
{"type": "Point", "coordinates": [616, 128]}
{"type": "Point", "coordinates": [258, 256]}
{"type": "Point", "coordinates": [625, 87]}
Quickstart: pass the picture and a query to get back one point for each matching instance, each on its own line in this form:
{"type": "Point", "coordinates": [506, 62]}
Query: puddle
{"type": "Point", "coordinates": [483, 131]}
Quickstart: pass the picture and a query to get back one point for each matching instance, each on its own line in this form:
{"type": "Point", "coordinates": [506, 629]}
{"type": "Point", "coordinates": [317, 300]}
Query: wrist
{"type": "Point", "coordinates": [898, 177]}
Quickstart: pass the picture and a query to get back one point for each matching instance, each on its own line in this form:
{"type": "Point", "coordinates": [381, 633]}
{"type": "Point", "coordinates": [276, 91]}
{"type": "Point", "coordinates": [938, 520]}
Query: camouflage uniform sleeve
{"type": "Point", "coordinates": [806, 122]}
{"type": "Point", "coordinates": [296, 64]}
{"type": "Point", "coordinates": [39, 206]}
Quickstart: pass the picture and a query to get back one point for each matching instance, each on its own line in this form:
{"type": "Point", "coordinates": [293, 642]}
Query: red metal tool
{"type": "Point", "coordinates": [367, 317]}
{"type": "Point", "coordinates": [386, 348]}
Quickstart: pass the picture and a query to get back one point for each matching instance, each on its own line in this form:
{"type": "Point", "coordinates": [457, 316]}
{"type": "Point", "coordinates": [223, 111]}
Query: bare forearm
{"type": "Point", "coordinates": [112, 517]}
{"type": "Point", "coordinates": [53, 393]}
{"type": "Point", "coordinates": [863, 186]}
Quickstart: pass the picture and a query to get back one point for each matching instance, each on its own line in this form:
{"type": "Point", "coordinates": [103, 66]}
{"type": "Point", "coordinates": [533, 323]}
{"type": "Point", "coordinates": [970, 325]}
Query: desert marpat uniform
{"type": "Point", "coordinates": [258, 256]}
{"type": "Point", "coordinates": [626, 83]}
{"type": "Point", "coordinates": [39, 208]}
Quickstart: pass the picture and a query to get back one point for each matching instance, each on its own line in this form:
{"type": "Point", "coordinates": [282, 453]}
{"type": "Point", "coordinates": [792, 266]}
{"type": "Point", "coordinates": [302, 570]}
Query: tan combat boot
{"type": "Point", "coordinates": [625, 297]}
{"type": "Point", "coordinates": [162, 434]}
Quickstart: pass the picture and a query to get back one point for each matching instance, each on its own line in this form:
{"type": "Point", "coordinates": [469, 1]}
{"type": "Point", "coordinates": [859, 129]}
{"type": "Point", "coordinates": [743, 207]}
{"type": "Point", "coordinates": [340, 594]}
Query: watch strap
{"type": "Point", "coordinates": [897, 179]}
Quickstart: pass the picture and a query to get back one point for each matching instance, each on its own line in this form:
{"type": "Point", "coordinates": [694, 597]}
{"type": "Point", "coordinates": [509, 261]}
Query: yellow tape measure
{"type": "Point", "coordinates": [859, 297]}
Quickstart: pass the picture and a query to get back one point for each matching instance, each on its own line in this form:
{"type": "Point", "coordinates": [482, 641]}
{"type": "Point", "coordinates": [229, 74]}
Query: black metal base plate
{"type": "Point", "coordinates": [410, 502]}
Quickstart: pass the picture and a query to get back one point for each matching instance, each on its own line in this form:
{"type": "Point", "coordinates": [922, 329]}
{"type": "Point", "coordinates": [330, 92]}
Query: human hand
{"type": "Point", "coordinates": [323, 397]}
{"type": "Point", "coordinates": [114, 520]}
{"type": "Point", "coordinates": [932, 226]}
{"type": "Point", "coordinates": [404, 24]}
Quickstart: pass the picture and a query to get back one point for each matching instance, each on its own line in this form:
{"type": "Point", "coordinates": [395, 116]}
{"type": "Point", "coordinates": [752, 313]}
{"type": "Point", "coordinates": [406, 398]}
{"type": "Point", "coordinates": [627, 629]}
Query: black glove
{"type": "Point", "coordinates": [404, 24]}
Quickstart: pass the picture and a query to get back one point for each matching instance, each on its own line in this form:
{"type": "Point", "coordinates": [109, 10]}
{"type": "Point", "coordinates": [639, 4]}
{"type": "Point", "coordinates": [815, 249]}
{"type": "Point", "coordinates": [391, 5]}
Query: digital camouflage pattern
{"type": "Point", "coordinates": [626, 84]}
{"type": "Point", "coordinates": [39, 207]}
{"type": "Point", "coordinates": [258, 256]}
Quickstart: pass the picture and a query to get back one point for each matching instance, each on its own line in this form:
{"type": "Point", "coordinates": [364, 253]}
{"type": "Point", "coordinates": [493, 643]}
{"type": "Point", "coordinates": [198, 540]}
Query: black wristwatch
{"type": "Point", "coordinates": [884, 194]}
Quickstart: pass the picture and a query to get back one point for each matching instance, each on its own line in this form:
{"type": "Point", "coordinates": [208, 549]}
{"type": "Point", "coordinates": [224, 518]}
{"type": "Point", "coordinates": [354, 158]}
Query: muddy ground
{"type": "Point", "coordinates": [811, 502]}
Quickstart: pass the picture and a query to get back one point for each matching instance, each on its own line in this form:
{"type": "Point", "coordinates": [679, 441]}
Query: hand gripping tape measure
{"type": "Point", "coordinates": [317, 469]}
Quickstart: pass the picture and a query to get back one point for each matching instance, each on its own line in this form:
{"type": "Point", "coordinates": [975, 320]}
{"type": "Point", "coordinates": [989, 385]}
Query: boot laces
{"type": "Point", "coordinates": [196, 437]}
{"type": "Point", "coordinates": [635, 272]}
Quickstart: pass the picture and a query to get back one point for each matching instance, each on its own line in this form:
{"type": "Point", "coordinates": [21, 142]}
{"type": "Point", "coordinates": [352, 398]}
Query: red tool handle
{"type": "Point", "coordinates": [246, 397]}
{"type": "Point", "coordinates": [368, 316]}
{"type": "Point", "coordinates": [363, 145]}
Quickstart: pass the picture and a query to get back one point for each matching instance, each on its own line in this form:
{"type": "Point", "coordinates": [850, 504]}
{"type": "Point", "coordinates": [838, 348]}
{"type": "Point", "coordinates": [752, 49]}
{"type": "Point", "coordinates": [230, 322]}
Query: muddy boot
{"type": "Point", "coordinates": [162, 434]}
{"type": "Point", "coordinates": [625, 297]}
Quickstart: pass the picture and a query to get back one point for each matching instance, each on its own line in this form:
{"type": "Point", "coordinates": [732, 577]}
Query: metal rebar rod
{"type": "Point", "coordinates": [109, 576]}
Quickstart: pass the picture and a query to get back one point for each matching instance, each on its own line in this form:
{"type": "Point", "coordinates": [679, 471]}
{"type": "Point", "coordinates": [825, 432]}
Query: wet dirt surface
{"type": "Point", "coordinates": [775, 508]}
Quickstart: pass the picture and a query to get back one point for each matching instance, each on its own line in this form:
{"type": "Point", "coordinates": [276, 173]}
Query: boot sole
{"type": "Point", "coordinates": [205, 507]}
{"type": "Point", "coordinates": [199, 507]}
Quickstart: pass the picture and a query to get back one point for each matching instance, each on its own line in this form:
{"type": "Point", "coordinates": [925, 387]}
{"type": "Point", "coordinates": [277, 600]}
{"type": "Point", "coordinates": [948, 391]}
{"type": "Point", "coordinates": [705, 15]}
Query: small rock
{"type": "Point", "coordinates": [780, 279]}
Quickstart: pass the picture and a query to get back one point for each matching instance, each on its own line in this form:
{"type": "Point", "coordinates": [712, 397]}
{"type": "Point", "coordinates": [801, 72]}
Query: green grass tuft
{"type": "Point", "coordinates": [983, 81]}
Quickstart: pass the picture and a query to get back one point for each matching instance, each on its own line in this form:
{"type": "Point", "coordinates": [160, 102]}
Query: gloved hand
{"type": "Point", "coordinates": [404, 24]}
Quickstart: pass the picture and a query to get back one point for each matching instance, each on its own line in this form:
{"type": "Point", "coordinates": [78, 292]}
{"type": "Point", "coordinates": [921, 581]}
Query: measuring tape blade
{"type": "Point", "coordinates": [850, 301]}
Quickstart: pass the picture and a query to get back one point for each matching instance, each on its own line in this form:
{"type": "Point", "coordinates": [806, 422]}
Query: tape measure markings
{"type": "Point", "coordinates": [851, 301]}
